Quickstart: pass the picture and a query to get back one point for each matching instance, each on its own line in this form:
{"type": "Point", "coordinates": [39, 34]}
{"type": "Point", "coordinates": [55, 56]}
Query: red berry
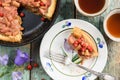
{"type": "Point", "coordinates": [29, 67]}
{"type": "Point", "coordinates": [42, 19]}
{"type": "Point", "coordinates": [22, 14]}
{"type": "Point", "coordinates": [42, 79]}
{"type": "Point", "coordinates": [1, 14]}
{"type": "Point", "coordinates": [42, 4]}
{"type": "Point", "coordinates": [35, 65]}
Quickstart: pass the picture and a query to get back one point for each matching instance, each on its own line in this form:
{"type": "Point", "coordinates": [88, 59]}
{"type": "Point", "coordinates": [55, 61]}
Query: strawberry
{"type": "Point", "coordinates": [89, 48]}
{"type": "Point", "coordinates": [75, 45]}
{"type": "Point", "coordinates": [82, 39]}
{"type": "Point", "coordinates": [83, 49]}
{"type": "Point", "coordinates": [79, 40]}
{"type": "Point", "coordinates": [76, 42]}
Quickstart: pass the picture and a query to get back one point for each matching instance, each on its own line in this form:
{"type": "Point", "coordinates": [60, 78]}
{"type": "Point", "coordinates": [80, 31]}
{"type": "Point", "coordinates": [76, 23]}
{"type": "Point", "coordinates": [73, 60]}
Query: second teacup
{"type": "Point", "coordinates": [112, 25]}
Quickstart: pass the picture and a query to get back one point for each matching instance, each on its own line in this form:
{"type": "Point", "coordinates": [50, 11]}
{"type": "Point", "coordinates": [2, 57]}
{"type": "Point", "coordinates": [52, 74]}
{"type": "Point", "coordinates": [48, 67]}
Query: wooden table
{"type": "Point", "coordinates": [67, 11]}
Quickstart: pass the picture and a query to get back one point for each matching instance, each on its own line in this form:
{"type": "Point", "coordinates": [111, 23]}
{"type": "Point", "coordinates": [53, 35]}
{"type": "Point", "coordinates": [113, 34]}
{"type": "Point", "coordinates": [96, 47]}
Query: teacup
{"type": "Point", "coordinates": [92, 8]}
{"type": "Point", "coordinates": [112, 25]}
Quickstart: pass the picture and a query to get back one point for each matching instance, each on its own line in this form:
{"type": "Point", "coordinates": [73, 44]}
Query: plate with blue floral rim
{"type": "Point", "coordinates": [53, 41]}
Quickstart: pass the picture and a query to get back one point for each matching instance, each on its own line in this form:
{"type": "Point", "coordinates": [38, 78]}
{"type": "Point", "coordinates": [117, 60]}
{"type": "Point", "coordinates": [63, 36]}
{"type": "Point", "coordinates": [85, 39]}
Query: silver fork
{"type": "Point", "coordinates": [65, 60]}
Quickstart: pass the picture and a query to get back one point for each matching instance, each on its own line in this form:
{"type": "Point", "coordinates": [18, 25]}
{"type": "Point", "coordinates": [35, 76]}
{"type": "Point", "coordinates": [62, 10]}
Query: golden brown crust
{"type": "Point", "coordinates": [51, 9]}
{"type": "Point", "coordinates": [16, 38]}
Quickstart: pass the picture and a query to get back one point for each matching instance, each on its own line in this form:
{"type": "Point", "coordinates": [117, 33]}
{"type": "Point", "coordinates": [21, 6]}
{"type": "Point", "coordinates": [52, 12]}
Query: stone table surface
{"type": "Point", "coordinates": [67, 11]}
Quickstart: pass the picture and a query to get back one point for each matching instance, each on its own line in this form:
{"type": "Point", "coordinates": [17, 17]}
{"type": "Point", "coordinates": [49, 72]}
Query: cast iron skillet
{"type": "Point", "coordinates": [34, 28]}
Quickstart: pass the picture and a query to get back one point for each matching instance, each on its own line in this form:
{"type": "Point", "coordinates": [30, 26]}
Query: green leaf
{"type": "Point", "coordinates": [4, 71]}
{"type": "Point", "coordinates": [75, 58]}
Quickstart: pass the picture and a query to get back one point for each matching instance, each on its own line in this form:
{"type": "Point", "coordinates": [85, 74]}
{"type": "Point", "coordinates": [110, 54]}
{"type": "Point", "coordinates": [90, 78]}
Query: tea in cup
{"type": "Point", "coordinates": [91, 7]}
{"type": "Point", "coordinates": [112, 25]}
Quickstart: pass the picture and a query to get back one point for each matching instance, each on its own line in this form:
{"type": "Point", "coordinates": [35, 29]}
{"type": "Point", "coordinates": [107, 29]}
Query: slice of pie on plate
{"type": "Point", "coordinates": [83, 43]}
{"type": "Point", "coordinates": [10, 21]}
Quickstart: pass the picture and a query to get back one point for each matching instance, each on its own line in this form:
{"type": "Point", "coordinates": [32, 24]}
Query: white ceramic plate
{"type": "Point", "coordinates": [54, 39]}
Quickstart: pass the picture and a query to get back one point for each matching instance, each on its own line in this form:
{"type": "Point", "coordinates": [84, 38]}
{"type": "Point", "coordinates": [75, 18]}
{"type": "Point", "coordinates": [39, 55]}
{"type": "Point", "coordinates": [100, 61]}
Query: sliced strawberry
{"type": "Point", "coordinates": [89, 48]}
{"type": "Point", "coordinates": [84, 44]}
{"type": "Point", "coordinates": [76, 42]}
{"type": "Point", "coordinates": [75, 45]}
{"type": "Point", "coordinates": [83, 49]}
{"type": "Point", "coordinates": [79, 40]}
{"type": "Point", "coordinates": [82, 39]}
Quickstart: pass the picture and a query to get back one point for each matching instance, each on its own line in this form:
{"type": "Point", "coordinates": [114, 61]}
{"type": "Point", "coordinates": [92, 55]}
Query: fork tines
{"type": "Point", "coordinates": [58, 58]}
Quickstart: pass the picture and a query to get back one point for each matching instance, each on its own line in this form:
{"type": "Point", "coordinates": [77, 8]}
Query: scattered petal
{"type": "Point", "coordinates": [21, 58]}
{"type": "Point", "coordinates": [4, 60]}
{"type": "Point", "coordinates": [16, 76]}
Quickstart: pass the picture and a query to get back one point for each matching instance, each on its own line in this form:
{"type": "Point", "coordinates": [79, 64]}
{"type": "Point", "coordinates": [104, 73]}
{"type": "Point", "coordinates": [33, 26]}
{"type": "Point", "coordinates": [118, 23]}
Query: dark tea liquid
{"type": "Point", "coordinates": [113, 25]}
{"type": "Point", "coordinates": [91, 6]}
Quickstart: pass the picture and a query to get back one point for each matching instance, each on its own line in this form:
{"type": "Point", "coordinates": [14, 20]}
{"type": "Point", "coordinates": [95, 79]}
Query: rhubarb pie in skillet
{"type": "Point", "coordinates": [10, 21]}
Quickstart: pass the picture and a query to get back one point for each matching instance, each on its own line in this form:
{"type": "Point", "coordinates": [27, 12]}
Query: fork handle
{"type": "Point", "coordinates": [98, 74]}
